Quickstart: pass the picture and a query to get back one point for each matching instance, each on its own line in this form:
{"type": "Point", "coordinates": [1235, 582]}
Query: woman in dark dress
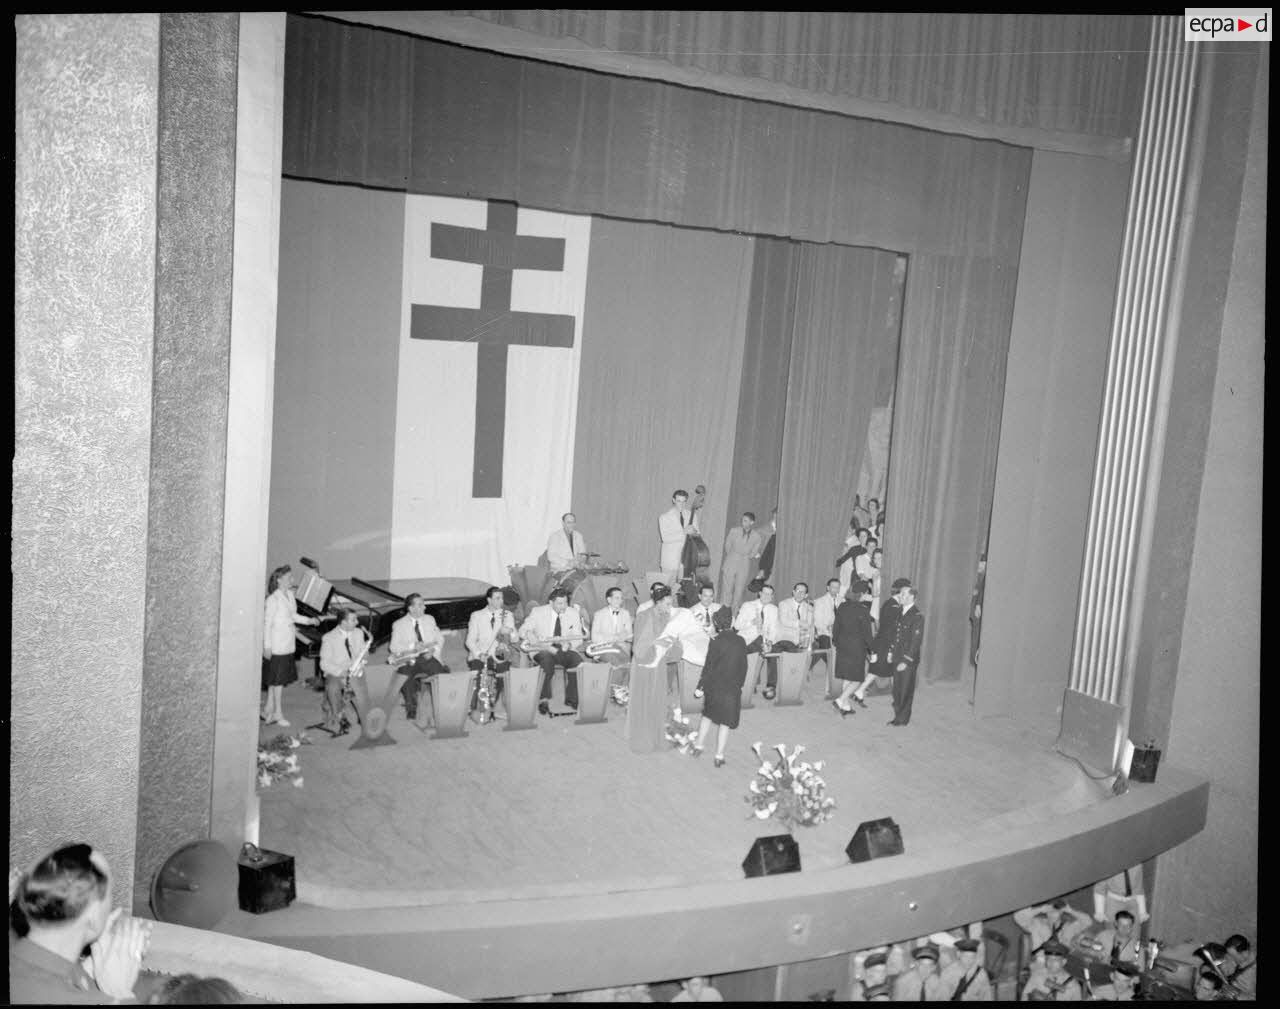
{"type": "Point", "coordinates": [721, 683]}
{"type": "Point", "coordinates": [854, 641]}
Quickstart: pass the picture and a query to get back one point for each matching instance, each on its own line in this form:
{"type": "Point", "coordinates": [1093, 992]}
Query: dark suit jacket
{"type": "Point", "coordinates": [908, 635]}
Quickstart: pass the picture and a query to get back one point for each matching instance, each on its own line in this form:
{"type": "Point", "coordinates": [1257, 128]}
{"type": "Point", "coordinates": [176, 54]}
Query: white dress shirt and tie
{"type": "Point", "coordinates": [540, 627]}
{"type": "Point", "coordinates": [410, 633]}
{"type": "Point", "coordinates": [340, 652]}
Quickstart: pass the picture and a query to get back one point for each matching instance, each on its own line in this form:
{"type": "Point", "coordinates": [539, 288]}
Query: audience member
{"type": "Point", "coordinates": [1053, 983]}
{"type": "Point", "coordinates": [967, 979]}
{"type": "Point", "coordinates": [1121, 942]}
{"type": "Point", "coordinates": [1122, 987]}
{"type": "Point", "coordinates": [188, 989]}
{"type": "Point", "coordinates": [1208, 987]}
{"type": "Point", "coordinates": [66, 904]}
{"type": "Point", "coordinates": [922, 983]}
{"type": "Point", "coordinates": [697, 989]}
{"type": "Point", "coordinates": [1242, 966]}
{"type": "Point", "coordinates": [873, 973]}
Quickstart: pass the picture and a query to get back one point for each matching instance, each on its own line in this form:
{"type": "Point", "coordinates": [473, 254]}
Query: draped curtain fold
{"type": "Point", "coordinates": [658, 388]}
{"type": "Point", "coordinates": [766, 364]}
{"type": "Point", "coordinates": [946, 429]}
{"type": "Point", "coordinates": [843, 298]}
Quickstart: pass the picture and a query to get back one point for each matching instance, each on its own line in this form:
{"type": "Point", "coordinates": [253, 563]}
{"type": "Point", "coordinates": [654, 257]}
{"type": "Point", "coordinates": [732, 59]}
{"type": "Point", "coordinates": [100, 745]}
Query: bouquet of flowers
{"type": "Point", "coordinates": [278, 762]}
{"type": "Point", "coordinates": [680, 733]}
{"type": "Point", "coordinates": [791, 789]}
{"type": "Point", "coordinates": [621, 695]}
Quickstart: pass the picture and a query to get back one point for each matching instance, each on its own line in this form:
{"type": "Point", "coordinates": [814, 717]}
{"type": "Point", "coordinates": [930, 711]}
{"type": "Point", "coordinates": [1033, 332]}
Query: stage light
{"type": "Point", "coordinates": [772, 855]}
{"type": "Point", "coordinates": [874, 839]}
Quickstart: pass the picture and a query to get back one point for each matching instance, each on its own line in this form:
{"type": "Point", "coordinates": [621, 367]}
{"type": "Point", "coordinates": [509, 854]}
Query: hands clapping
{"type": "Point", "coordinates": [116, 958]}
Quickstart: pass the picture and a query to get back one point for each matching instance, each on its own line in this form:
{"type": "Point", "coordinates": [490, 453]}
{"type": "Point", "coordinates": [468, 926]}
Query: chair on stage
{"type": "Point", "coordinates": [688, 674]}
{"type": "Point", "coordinates": [754, 663]}
{"type": "Point", "coordinates": [828, 656]}
{"type": "Point", "coordinates": [792, 667]}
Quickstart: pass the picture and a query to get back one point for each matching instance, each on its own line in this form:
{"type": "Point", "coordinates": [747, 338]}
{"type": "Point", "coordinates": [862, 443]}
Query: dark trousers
{"type": "Point", "coordinates": [570, 661]}
{"type": "Point", "coordinates": [771, 677]}
{"type": "Point", "coordinates": [497, 667]}
{"type": "Point", "coordinates": [420, 670]}
{"type": "Point", "coordinates": [904, 691]}
{"type": "Point", "coordinates": [820, 643]}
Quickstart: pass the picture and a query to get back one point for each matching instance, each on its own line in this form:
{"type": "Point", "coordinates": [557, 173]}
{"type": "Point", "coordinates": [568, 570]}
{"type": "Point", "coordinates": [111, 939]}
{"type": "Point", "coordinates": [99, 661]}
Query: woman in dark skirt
{"type": "Point", "coordinates": [854, 641]}
{"type": "Point", "coordinates": [278, 643]}
{"type": "Point", "coordinates": [721, 683]}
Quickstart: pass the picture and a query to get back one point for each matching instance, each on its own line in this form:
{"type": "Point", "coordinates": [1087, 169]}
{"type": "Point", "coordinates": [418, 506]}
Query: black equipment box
{"type": "Point", "coordinates": [266, 880]}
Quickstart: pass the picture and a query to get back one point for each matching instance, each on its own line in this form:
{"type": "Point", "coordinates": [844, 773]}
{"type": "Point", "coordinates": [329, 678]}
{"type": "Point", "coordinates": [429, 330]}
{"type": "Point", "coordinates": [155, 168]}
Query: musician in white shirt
{"type": "Point", "coordinates": [795, 631]}
{"type": "Point", "coordinates": [489, 632]}
{"type": "Point", "coordinates": [757, 621]}
{"type": "Point", "coordinates": [417, 632]}
{"type": "Point", "coordinates": [612, 631]}
{"type": "Point", "coordinates": [674, 525]}
{"type": "Point", "coordinates": [824, 617]}
{"type": "Point", "coordinates": [705, 607]}
{"type": "Point", "coordinates": [343, 652]}
{"type": "Point", "coordinates": [566, 549]}
{"type": "Point", "coordinates": [556, 620]}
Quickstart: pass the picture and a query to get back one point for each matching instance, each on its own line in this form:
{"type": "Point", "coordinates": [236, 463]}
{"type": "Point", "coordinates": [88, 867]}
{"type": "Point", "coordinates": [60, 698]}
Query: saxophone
{"type": "Point", "coordinates": [487, 685]}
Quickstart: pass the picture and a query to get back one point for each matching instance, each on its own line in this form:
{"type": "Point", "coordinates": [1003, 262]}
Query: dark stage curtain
{"type": "Point", "coordinates": [476, 124]}
{"type": "Point", "coordinates": [946, 430]}
{"type": "Point", "coordinates": [766, 366]}
{"type": "Point", "coordinates": [843, 298]}
{"type": "Point", "coordinates": [658, 386]}
{"type": "Point", "coordinates": [1077, 73]}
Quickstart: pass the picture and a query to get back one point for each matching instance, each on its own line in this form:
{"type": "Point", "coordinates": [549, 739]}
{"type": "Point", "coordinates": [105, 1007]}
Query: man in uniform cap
{"type": "Point", "coordinates": [922, 984]}
{"type": "Point", "coordinates": [875, 975]}
{"type": "Point", "coordinates": [889, 612]}
{"type": "Point", "coordinates": [967, 979]}
{"type": "Point", "coordinates": [1054, 982]}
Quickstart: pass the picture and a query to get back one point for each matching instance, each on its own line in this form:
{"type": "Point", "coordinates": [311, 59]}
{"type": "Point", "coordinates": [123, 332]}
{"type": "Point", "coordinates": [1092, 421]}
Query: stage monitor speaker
{"type": "Point", "coordinates": [874, 839]}
{"type": "Point", "coordinates": [772, 855]}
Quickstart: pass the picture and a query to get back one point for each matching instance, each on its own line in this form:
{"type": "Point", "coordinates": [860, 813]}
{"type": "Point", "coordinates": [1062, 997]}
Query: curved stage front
{"type": "Point", "coordinates": [554, 859]}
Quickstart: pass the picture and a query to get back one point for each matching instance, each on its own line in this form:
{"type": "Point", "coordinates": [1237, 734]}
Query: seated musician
{"type": "Point", "coordinates": [567, 554]}
{"type": "Point", "coordinates": [757, 621]}
{"type": "Point", "coordinates": [704, 609]}
{"type": "Point", "coordinates": [416, 639]}
{"type": "Point", "coordinates": [795, 631]}
{"type": "Point", "coordinates": [824, 617]}
{"type": "Point", "coordinates": [343, 651]}
{"type": "Point", "coordinates": [612, 631]}
{"type": "Point", "coordinates": [552, 634]}
{"type": "Point", "coordinates": [491, 632]}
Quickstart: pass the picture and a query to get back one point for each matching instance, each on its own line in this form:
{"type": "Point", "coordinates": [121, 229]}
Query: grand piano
{"type": "Point", "coordinates": [379, 602]}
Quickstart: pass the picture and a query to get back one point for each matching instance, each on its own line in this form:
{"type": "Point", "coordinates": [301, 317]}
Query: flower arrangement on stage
{"type": "Point", "coordinates": [681, 734]}
{"type": "Point", "coordinates": [790, 790]}
{"type": "Point", "coordinates": [621, 695]}
{"type": "Point", "coordinates": [278, 762]}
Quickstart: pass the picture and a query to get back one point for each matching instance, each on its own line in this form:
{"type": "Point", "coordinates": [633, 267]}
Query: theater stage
{"type": "Point", "coordinates": [539, 830]}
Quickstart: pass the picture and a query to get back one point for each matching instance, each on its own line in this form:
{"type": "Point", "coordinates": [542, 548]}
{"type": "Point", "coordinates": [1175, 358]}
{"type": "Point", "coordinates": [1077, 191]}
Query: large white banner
{"type": "Point", "coordinates": [488, 288]}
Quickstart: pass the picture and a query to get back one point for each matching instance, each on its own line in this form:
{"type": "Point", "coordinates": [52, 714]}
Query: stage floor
{"type": "Point", "coordinates": [567, 809]}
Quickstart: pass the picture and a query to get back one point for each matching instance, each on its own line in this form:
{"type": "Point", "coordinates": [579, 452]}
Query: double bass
{"type": "Point", "coordinates": [696, 558]}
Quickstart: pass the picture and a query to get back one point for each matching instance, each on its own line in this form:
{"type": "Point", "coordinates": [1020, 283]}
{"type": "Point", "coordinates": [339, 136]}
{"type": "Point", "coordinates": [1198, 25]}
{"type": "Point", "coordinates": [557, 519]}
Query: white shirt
{"type": "Point", "coordinates": [541, 623]}
{"type": "Point", "coordinates": [755, 617]}
{"type": "Point", "coordinates": [404, 639]}
{"type": "Point", "coordinates": [277, 624]}
{"type": "Point", "coordinates": [338, 649]}
{"type": "Point", "coordinates": [703, 614]}
{"type": "Point", "coordinates": [483, 626]}
{"type": "Point", "coordinates": [792, 618]}
{"type": "Point", "coordinates": [563, 554]}
{"type": "Point", "coordinates": [694, 641]}
{"type": "Point", "coordinates": [610, 625]}
{"type": "Point", "coordinates": [824, 613]}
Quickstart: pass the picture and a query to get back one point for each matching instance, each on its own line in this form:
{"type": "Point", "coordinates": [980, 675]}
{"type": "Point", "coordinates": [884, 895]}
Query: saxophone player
{"type": "Point", "coordinates": [343, 651]}
{"type": "Point", "coordinates": [490, 633]}
{"type": "Point", "coordinates": [611, 631]}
